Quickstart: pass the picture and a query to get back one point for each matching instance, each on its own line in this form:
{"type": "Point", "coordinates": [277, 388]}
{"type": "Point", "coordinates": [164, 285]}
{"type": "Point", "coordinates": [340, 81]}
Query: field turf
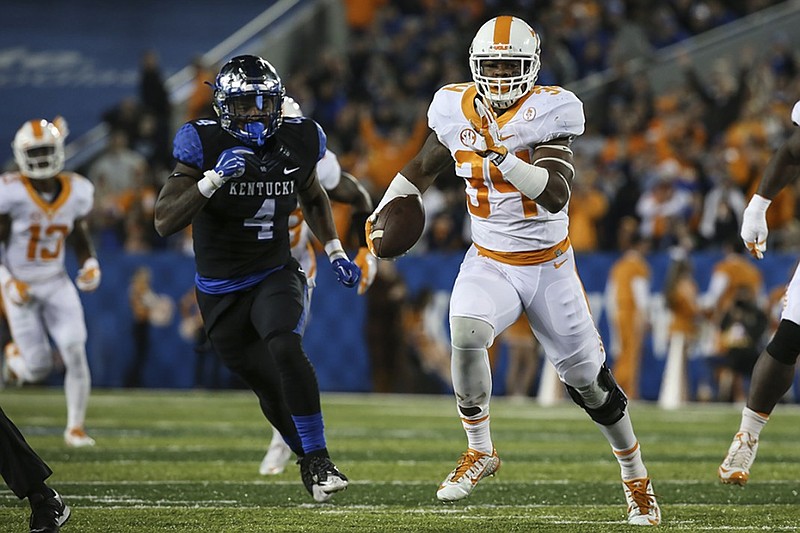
{"type": "Point", "coordinates": [188, 461]}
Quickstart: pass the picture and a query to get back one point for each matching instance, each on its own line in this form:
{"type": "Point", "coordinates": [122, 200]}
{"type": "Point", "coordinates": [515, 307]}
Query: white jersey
{"type": "Point", "coordinates": [502, 218]}
{"type": "Point", "coordinates": [39, 226]}
{"type": "Point", "coordinates": [796, 114]}
{"type": "Point", "coordinates": [329, 173]}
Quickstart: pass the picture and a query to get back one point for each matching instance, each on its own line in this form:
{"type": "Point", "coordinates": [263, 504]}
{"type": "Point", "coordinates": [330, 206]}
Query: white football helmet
{"type": "Point", "coordinates": [39, 149]}
{"type": "Point", "coordinates": [505, 38]}
{"type": "Point", "coordinates": [291, 108]}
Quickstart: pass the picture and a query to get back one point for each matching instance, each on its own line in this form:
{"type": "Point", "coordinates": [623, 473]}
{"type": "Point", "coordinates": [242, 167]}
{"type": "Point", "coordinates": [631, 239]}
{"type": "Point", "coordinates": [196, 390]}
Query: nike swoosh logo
{"type": "Point", "coordinates": [558, 265]}
{"type": "Point", "coordinates": [503, 138]}
{"type": "Point", "coordinates": [290, 170]}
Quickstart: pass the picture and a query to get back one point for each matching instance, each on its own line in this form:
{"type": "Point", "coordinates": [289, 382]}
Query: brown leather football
{"type": "Point", "coordinates": [398, 226]}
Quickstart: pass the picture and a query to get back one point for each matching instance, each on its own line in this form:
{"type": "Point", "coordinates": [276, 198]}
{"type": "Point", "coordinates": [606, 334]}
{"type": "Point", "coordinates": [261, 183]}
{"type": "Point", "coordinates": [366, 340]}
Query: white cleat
{"type": "Point", "coordinates": [643, 508]}
{"type": "Point", "coordinates": [276, 459]}
{"type": "Point", "coordinates": [77, 438]}
{"type": "Point", "coordinates": [472, 467]}
{"type": "Point", "coordinates": [735, 469]}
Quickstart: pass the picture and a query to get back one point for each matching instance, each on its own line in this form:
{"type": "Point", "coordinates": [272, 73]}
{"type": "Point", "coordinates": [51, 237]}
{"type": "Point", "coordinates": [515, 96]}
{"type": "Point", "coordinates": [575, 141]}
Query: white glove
{"type": "Point", "coordinates": [17, 291]}
{"type": "Point", "coordinates": [368, 264]}
{"type": "Point", "coordinates": [754, 226]}
{"type": "Point", "coordinates": [88, 278]}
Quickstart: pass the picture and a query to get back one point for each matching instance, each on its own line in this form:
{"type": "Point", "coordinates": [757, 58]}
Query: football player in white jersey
{"type": "Point", "coordinates": [341, 187]}
{"type": "Point", "coordinates": [510, 141]}
{"type": "Point", "coordinates": [775, 368]}
{"type": "Point", "coordinates": [40, 205]}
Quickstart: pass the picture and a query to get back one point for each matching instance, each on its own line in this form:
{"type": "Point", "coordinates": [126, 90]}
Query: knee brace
{"type": "Point", "coordinates": [785, 344]}
{"type": "Point", "coordinates": [612, 409]}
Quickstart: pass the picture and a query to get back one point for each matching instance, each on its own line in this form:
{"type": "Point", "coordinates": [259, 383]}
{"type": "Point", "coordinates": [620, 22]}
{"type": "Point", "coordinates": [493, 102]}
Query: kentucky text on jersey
{"type": "Point", "coordinates": [262, 188]}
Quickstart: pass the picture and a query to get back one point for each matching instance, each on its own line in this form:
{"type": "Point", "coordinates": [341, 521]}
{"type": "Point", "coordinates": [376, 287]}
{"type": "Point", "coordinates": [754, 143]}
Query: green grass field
{"type": "Point", "coordinates": [188, 461]}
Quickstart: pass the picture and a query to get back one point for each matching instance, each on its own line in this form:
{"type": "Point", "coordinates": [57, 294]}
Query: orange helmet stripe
{"type": "Point", "coordinates": [37, 128]}
{"type": "Point", "coordinates": [502, 30]}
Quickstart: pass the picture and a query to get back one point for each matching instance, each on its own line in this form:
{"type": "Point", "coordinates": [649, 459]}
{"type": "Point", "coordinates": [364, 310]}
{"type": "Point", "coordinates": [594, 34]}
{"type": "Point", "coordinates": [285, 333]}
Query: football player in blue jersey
{"type": "Point", "coordinates": [236, 181]}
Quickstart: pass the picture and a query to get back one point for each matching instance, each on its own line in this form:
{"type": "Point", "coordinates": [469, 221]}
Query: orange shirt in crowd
{"type": "Point", "coordinates": [587, 207]}
{"type": "Point", "coordinates": [386, 156]}
{"type": "Point", "coordinates": [683, 304]}
{"type": "Point", "coordinates": [740, 272]}
{"type": "Point", "coordinates": [627, 319]}
{"type": "Point", "coordinates": [361, 13]}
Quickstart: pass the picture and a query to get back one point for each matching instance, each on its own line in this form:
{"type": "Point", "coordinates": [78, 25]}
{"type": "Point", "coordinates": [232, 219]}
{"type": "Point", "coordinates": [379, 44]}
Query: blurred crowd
{"type": "Point", "coordinates": [681, 162]}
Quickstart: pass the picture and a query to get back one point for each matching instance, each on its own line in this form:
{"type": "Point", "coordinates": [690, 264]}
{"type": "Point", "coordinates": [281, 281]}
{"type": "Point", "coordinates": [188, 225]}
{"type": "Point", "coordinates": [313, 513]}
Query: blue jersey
{"type": "Point", "coordinates": [243, 230]}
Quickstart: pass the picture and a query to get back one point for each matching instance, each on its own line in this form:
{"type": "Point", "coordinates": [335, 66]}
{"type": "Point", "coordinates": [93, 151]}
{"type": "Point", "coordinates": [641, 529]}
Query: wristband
{"type": "Point", "coordinates": [212, 180]}
{"type": "Point", "coordinates": [497, 158]}
{"type": "Point", "coordinates": [334, 250]}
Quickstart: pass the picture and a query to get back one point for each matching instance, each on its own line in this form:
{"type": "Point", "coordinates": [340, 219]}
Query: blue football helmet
{"type": "Point", "coordinates": [248, 95]}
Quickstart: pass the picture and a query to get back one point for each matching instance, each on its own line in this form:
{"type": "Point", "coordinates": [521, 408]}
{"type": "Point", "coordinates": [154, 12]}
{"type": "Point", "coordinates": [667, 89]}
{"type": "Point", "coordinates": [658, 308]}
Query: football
{"type": "Point", "coordinates": [398, 226]}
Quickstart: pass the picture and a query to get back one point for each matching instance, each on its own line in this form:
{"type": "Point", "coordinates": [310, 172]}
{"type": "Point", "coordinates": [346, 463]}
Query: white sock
{"type": "Point", "coordinates": [753, 422]}
{"type": "Point", "coordinates": [630, 463]}
{"type": "Point", "coordinates": [479, 436]}
{"type": "Point", "coordinates": [625, 446]}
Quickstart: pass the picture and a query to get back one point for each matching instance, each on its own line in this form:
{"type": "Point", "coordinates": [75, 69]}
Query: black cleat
{"type": "Point", "coordinates": [321, 477]}
{"type": "Point", "coordinates": [48, 514]}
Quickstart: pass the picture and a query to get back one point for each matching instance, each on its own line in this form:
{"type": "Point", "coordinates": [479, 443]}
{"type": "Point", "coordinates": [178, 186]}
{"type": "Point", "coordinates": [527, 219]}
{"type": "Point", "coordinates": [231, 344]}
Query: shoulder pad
{"type": "Point", "coordinates": [187, 147]}
{"type": "Point", "coordinates": [564, 113]}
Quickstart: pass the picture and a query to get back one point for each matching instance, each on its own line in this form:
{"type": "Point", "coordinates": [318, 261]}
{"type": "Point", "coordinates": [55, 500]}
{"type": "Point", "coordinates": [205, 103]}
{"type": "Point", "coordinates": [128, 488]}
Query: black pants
{"type": "Point", "coordinates": [20, 466]}
{"type": "Point", "coordinates": [258, 334]}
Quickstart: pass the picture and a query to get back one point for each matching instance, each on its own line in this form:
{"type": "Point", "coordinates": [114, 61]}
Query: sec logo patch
{"type": "Point", "coordinates": [468, 137]}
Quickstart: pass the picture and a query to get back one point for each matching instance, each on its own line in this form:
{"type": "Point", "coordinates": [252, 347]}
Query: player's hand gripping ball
{"type": "Point", "coordinates": [392, 231]}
